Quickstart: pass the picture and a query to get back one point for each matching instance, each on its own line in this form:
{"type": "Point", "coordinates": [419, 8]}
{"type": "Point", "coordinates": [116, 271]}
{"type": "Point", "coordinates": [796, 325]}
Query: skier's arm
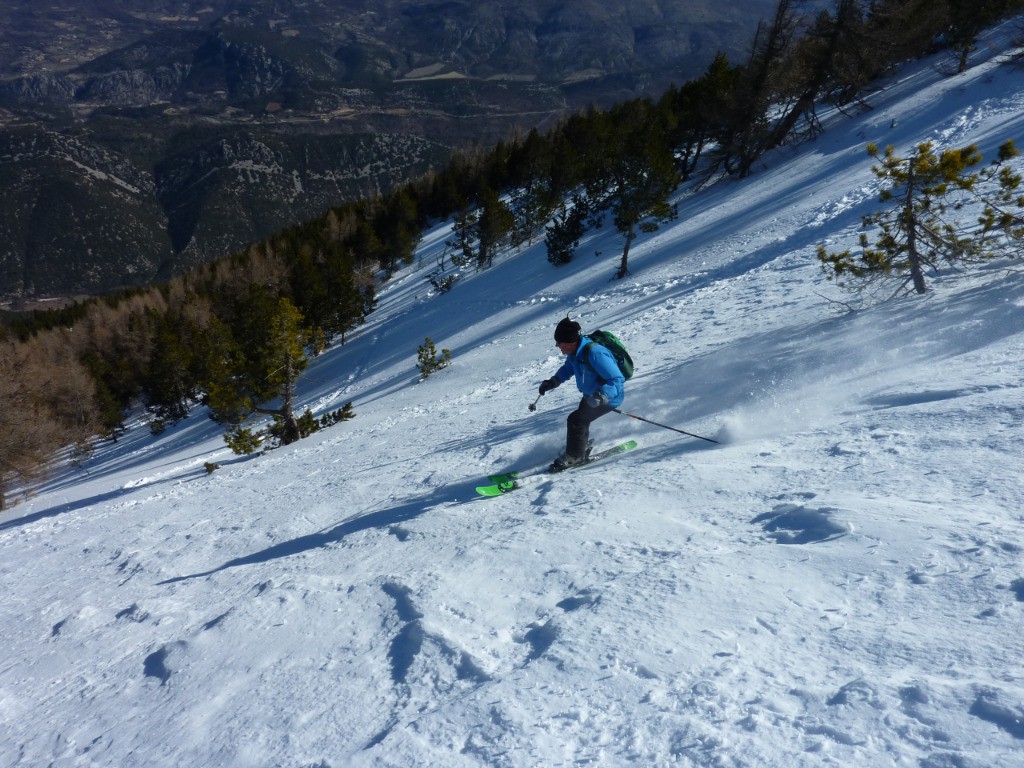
{"type": "Point", "coordinates": [561, 376]}
{"type": "Point", "coordinates": [565, 373]}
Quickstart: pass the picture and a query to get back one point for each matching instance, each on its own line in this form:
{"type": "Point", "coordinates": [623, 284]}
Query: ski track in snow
{"type": "Point", "coordinates": [839, 583]}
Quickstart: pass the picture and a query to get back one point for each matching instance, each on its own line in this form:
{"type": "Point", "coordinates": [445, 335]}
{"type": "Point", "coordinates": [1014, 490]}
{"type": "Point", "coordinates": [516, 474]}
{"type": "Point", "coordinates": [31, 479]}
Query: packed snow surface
{"type": "Point", "coordinates": [838, 582]}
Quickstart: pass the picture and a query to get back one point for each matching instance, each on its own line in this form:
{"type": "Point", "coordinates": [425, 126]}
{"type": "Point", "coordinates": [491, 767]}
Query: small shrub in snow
{"type": "Point", "coordinates": [242, 441]}
{"type": "Point", "coordinates": [429, 360]}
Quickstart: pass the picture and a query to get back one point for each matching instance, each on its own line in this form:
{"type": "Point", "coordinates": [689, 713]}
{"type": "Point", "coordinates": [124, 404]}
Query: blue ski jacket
{"type": "Point", "coordinates": [595, 369]}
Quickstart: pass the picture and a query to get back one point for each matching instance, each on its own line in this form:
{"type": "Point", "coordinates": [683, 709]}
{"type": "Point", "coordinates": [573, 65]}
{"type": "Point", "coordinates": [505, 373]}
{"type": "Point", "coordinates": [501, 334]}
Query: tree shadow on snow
{"type": "Point", "coordinates": [382, 519]}
{"type": "Point", "coordinates": [190, 474]}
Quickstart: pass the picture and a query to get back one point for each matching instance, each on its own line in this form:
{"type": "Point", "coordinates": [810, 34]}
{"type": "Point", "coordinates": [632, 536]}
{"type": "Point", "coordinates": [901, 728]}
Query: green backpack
{"type": "Point", "coordinates": [613, 344]}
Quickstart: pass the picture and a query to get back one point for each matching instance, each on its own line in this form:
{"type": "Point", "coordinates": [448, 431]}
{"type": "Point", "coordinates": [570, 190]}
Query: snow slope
{"type": "Point", "coordinates": [839, 583]}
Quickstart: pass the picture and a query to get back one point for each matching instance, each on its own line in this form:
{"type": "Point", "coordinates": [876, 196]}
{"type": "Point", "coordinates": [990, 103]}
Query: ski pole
{"type": "Point", "coordinates": [664, 426]}
{"type": "Point", "coordinates": [533, 406]}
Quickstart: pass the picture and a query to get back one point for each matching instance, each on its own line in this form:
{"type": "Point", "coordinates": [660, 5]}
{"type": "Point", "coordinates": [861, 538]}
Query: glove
{"type": "Point", "coordinates": [597, 399]}
{"type": "Point", "coordinates": [548, 384]}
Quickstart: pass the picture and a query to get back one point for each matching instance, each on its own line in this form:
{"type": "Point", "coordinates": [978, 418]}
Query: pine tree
{"type": "Point", "coordinates": [747, 132]}
{"type": "Point", "coordinates": [1002, 219]}
{"type": "Point", "coordinates": [817, 64]}
{"type": "Point", "coordinates": [531, 206]}
{"type": "Point", "coordinates": [308, 286]}
{"type": "Point", "coordinates": [464, 227]}
{"type": "Point", "coordinates": [399, 229]}
{"type": "Point", "coordinates": [897, 30]}
{"type": "Point", "coordinates": [494, 226]}
{"type": "Point", "coordinates": [635, 174]}
{"type": "Point", "coordinates": [531, 199]}
{"type": "Point", "coordinates": [563, 234]}
{"type": "Point", "coordinates": [349, 300]}
{"type": "Point", "coordinates": [923, 228]}
{"type": "Point", "coordinates": [258, 361]}
{"type": "Point", "coordinates": [696, 112]}
{"type": "Point", "coordinates": [171, 381]}
{"type": "Point", "coordinates": [968, 19]}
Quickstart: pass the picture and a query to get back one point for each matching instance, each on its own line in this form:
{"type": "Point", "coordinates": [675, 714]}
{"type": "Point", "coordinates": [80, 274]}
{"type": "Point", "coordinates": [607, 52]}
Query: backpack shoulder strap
{"type": "Point", "coordinates": [586, 359]}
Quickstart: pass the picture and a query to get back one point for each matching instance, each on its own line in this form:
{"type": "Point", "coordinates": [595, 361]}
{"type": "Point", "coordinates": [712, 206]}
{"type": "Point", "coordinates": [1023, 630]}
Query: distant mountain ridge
{"type": "Point", "coordinates": [140, 137]}
{"type": "Point", "coordinates": [552, 40]}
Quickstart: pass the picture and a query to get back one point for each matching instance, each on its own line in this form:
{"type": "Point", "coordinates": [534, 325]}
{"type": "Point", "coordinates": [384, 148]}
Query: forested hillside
{"type": "Point", "coordinates": [235, 334]}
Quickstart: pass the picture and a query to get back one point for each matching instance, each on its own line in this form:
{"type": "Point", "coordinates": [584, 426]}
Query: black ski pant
{"type": "Point", "coordinates": [577, 433]}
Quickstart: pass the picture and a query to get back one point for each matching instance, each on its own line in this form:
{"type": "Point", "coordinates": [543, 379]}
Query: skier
{"type": "Point", "coordinates": [598, 378]}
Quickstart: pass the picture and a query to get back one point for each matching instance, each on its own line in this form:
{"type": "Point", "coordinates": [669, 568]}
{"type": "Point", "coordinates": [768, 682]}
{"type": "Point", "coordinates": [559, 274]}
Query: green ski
{"type": "Point", "coordinates": [509, 481]}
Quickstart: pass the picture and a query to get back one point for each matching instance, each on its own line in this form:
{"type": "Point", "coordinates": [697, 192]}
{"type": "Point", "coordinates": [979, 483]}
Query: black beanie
{"type": "Point", "coordinates": [567, 331]}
